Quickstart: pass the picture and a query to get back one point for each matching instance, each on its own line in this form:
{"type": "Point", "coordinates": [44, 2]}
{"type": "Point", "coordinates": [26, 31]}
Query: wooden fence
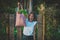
{"type": "Point", "coordinates": [39, 27]}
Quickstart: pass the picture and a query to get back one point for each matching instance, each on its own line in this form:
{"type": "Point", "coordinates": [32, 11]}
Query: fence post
{"type": "Point", "coordinates": [42, 10]}
{"type": "Point", "coordinates": [40, 26]}
{"type": "Point", "coordinates": [41, 22]}
{"type": "Point", "coordinates": [7, 25]}
{"type": "Point", "coordinates": [11, 26]}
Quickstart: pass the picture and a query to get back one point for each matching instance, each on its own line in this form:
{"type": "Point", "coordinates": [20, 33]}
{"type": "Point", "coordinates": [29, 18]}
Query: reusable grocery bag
{"type": "Point", "coordinates": [20, 19]}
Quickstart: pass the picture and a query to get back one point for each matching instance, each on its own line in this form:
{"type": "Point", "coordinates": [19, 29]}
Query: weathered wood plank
{"type": "Point", "coordinates": [11, 26]}
{"type": "Point", "coordinates": [40, 28]}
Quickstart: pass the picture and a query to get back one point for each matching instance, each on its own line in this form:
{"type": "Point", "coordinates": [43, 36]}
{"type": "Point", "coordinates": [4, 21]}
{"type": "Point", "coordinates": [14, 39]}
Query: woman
{"type": "Point", "coordinates": [29, 28]}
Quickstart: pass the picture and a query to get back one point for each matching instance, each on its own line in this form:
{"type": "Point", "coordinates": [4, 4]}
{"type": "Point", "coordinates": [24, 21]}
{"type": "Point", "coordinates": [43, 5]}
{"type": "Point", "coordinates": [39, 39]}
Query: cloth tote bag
{"type": "Point", "coordinates": [20, 19]}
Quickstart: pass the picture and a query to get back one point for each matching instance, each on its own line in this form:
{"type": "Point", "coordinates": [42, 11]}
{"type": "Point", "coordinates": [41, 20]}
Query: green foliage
{"type": "Point", "coordinates": [52, 24]}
